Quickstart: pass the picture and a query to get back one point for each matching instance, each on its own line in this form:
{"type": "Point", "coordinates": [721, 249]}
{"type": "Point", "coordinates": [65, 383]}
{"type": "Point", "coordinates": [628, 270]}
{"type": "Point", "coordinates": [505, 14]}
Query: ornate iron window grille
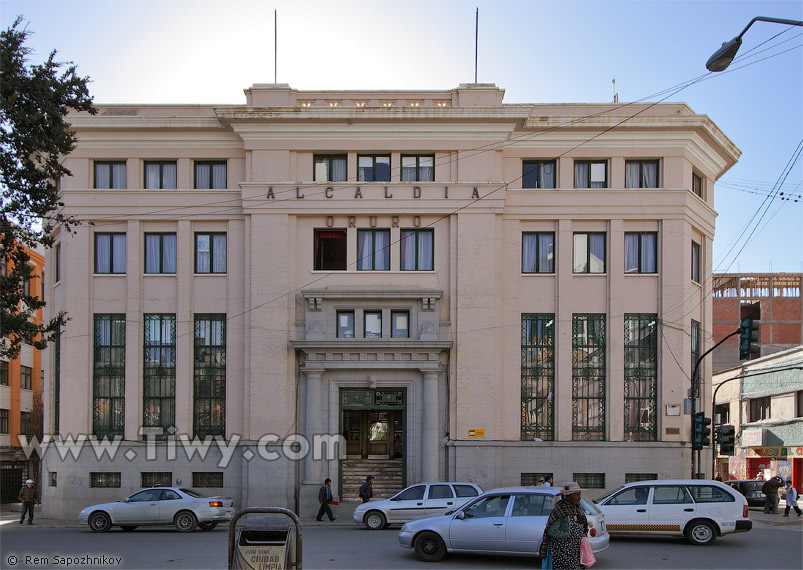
{"type": "Point", "coordinates": [588, 377]}
{"type": "Point", "coordinates": [641, 377]}
{"type": "Point", "coordinates": [108, 376]}
{"type": "Point", "coordinates": [159, 374]}
{"type": "Point", "coordinates": [209, 382]}
{"type": "Point", "coordinates": [537, 376]}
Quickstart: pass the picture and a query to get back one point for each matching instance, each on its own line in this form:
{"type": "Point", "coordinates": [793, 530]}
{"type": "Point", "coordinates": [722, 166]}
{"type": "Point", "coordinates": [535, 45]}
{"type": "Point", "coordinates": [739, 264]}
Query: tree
{"type": "Point", "coordinates": [34, 138]}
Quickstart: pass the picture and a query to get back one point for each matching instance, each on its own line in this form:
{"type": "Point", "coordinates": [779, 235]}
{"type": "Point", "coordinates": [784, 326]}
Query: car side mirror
{"type": "Point", "coordinates": [461, 515]}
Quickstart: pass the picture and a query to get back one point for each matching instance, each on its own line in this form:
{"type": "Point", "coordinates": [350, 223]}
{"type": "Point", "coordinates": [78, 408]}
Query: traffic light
{"type": "Point", "coordinates": [749, 338]}
{"type": "Point", "coordinates": [718, 434]}
{"type": "Point", "coordinates": [727, 440]}
{"type": "Point", "coordinates": [702, 432]}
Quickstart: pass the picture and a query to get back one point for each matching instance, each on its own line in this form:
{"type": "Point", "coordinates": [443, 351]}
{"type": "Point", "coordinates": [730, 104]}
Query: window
{"type": "Point", "coordinates": [400, 324]}
{"type": "Point", "coordinates": [209, 383]}
{"type": "Point", "coordinates": [26, 428]}
{"type": "Point", "coordinates": [641, 377]}
{"type": "Point", "coordinates": [373, 168]}
{"type": "Point", "coordinates": [631, 496]}
{"type": "Point", "coordinates": [710, 494]}
{"type": "Point", "coordinates": [531, 505]}
{"type": "Point", "coordinates": [3, 373]}
{"type": "Point", "coordinates": [697, 185]}
{"type": "Point", "coordinates": [26, 377]}
{"type": "Point", "coordinates": [345, 324]}
{"type": "Point", "coordinates": [465, 490]}
{"type": "Point", "coordinates": [155, 480]}
{"type": "Point", "coordinates": [211, 175]}
{"type": "Point", "coordinates": [636, 477]}
{"type": "Point", "coordinates": [588, 378]}
{"type": "Point", "coordinates": [590, 174]}
{"type": "Point", "coordinates": [696, 347]}
{"type": "Point", "coordinates": [104, 479]}
{"type": "Point", "coordinates": [53, 478]}
{"type": "Point", "coordinates": [641, 252]}
{"type": "Point", "coordinates": [210, 253]}
{"type": "Point", "coordinates": [57, 256]}
{"type": "Point", "coordinates": [330, 250]}
{"type": "Point", "coordinates": [440, 492]}
{"type": "Point", "coordinates": [537, 377]}
{"type": "Point", "coordinates": [109, 253]}
{"type": "Point", "coordinates": [26, 286]}
{"type": "Point", "coordinates": [3, 421]}
{"type": "Point", "coordinates": [412, 494]}
{"type": "Point", "coordinates": [160, 253]}
{"type": "Point", "coordinates": [641, 174]}
{"type": "Point", "coordinates": [417, 250]}
{"type": "Point", "coordinates": [160, 175]}
{"type": "Point", "coordinates": [590, 480]}
{"type": "Point", "coordinates": [418, 168]}
{"type": "Point", "coordinates": [159, 374]}
{"type": "Point", "coordinates": [538, 252]}
{"type": "Point", "coordinates": [589, 253]}
{"type": "Point", "coordinates": [108, 396]}
{"type": "Point", "coordinates": [799, 398]}
{"type": "Point", "coordinates": [330, 168]}
{"type": "Point", "coordinates": [372, 324]}
{"type": "Point", "coordinates": [538, 174]}
{"type": "Point", "coordinates": [695, 262]}
{"type": "Point", "coordinates": [110, 175]}
{"type": "Point", "coordinates": [670, 495]}
{"type": "Point", "coordinates": [488, 507]}
{"type": "Point", "coordinates": [373, 250]}
{"type": "Point", "coordinates": [722, 414]}
{"type": "Point", "coordinates": [207, 479]}
{"type": "Point", "coordinates": [56, 382]}
{"type": "Point", "coordinates": [759, 409]}
{"type": "Point", "coordinates": [531, 479]}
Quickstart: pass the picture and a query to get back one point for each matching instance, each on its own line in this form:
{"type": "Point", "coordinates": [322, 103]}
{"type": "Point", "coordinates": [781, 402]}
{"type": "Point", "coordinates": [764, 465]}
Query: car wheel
{"type": "Point", "coordinates": [700, 533]}
{"type": "Point", "coordinates": [128, 528]}
{"type": "Point", "coordinates": [100, 522]}
{"type": "Point", "coordinates": [185, 521]}
{"type": "Point", "coordinates": [375, 520]}
{"type": "Point", "coordinates": [207, 525]}
{"type": "Point", "coordinates": [430, 547]}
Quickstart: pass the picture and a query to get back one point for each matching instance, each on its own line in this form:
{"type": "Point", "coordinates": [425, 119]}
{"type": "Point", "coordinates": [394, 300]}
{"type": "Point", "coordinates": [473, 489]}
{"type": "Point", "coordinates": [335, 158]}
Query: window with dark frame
{"type": "Point", "coordinates": [372, 324]}
{"type": "Point", "coordinates": [345, 324]}
{"type": "Point", "coordinates": [207, 479]}
{"type": "Point", "coordinates": [722, 413]}
{"type": "Point", "coordinates": [417, 168]}
{"type": "Point", "coordinates": [160, 175]}
{"type": "Point", "coordinates": [3, 373]}
{"type": "Point", "coordinates": [641, 377]}
{"type": "Point", "coordinates": [373, 168]}
{"type": "Point", "coordinates": [163, 479]}
{"type": "Point", "coordinates": [417, 250]}
{"type": "Point", "coordinates": [159, 374]}
{"type": "Point", "coordinates": [538, 252]}
{"type": "Point", "coordinates": [590, 173]}
{"type": "Point", "coordinates": [57, 256]}
{"type": "Point", "coordinates": [695, 262]}
{"type": "Point", "coordinates": [589, 252]}
{"type": "Point", "coordinates": [209, 372]}
{"type": "Point", "coordinates": [696, 347]}
{"type": "Point", "coordinates": [760, 409]}
{"type": "Point", "coordinates": [400, 324]}
{"type": "Point", "coordinates": [330, 250]}
{"type": "Point", "coordinates": [641, 252]}
{"type": "Point", "coordinates": [110, 175]}
{"type": "Point", "coordinates": [799, 399]}
{"type": "Point", "coordinates": [538, 173]}
{"type": "Point", "coordinates": [590, 480]}
{"type": "Point", "coordinates": [26, 377]}
{"type": "Point", "coordinates": [330, 168]}
{"type": "Point", "coordinates": [108, 376]}
{"type": "Point", "coordinates": [537, 377]}
{"type": "Point", "coordinates": [53, 478]}
{"type": "Point", "coordinates": [26, 428]}
{"type": "Point", "coordinates": [105, 479]}
{"type": "Point", "coordinates": [110, 253]}
{"type": "Point", "coordinates": [3, 420]}
{"type": "Point", "coordinates": [636, 477]}
{"type": "Point", "coordinates": [160, 253]}
{"type": "Point", "coordinates": [697, 184]}
{"type": "Point", "coordinates": [211, 175]}
{"type": "Point", "coordinates": [641, 174]}
{"type": "Point", "coordinates": [210, 252]}
{"type": "Point", "coordinates": [373, 250]}
{"type": "Point", "coordinates": [588, 377]}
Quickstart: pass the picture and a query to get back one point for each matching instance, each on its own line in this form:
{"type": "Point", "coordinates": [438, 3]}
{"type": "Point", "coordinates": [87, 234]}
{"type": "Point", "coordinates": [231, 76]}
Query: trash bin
{"type": "Point", "coordinates": [265, 543]}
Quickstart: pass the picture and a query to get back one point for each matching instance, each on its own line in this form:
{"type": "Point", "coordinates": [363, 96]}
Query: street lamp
{"type": "Point", "coordinates": [723, 57]}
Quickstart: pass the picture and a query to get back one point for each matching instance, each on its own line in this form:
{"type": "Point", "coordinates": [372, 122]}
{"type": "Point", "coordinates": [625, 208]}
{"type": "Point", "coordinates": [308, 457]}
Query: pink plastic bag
{"type": "Point", "coordinates": [587, 558]}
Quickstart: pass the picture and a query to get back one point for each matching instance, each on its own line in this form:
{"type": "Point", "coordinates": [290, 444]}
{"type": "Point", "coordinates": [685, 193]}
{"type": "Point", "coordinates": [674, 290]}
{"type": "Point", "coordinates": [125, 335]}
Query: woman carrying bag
{"type": "Point", "coordinates": [566, 527]}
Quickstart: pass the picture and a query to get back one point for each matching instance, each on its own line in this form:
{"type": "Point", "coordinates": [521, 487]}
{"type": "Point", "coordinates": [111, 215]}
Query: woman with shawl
{"type": "Point", "coordinates": [566, 526]}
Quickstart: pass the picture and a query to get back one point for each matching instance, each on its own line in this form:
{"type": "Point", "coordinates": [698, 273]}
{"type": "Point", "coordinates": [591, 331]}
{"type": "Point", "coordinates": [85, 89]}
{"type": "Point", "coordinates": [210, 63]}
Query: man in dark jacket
{"type": "Point", "coordinates": [28, 497]}
{"type": "Point", "coordinates": [770, 490]}
{"type": "Point", "coordinates": [325, 498]}
{"type": "Point", "coordinates": [367, 489]}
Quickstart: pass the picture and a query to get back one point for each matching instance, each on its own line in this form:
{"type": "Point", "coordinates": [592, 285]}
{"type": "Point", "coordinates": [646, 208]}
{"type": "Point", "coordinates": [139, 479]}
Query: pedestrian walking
{"type": "Point", "coordinates": [791, 499]}
{"type": "Point", "coordinates": [565, 528]}
{"type": "Point", "coordinates": [367, 489]}
{"type": "Point", "coordinates": [28, 497]}
{"type": "Point", "coordinates": [770, 490]}
{"type": "Point", "coordinates": [325, 499]}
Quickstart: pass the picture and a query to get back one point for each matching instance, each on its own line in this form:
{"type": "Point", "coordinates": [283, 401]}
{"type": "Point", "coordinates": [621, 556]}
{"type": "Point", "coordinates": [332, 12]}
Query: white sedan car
{"type": "Point", "coordinates": [416, 501]}
{"type": "Point", "coordinates": [183, 508]}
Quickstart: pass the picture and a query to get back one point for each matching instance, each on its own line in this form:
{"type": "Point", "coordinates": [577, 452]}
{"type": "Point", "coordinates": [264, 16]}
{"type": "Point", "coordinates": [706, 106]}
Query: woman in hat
{"type": "Point", "coordinates": [566, 526]}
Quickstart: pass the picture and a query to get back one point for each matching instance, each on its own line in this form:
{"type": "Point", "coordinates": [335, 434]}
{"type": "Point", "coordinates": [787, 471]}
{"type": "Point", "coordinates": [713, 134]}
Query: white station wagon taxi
{"type": "Point", "coordinates": [698, 509]}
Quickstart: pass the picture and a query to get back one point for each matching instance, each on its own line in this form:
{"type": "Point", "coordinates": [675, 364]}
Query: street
{"type": "Point", "coordinates": [775, 543]}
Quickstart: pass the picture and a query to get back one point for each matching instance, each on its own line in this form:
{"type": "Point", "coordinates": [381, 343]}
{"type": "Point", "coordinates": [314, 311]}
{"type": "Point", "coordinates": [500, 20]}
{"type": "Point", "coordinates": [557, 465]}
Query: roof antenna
{"type": "Point", "coordinates": [615, 94]}
{"type": "Point", "coordinates": [476, 41]}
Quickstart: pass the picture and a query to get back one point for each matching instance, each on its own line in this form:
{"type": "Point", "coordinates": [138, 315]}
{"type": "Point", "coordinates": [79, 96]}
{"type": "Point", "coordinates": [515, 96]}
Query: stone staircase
{"type": "Point", "coordinates": [387, 472]}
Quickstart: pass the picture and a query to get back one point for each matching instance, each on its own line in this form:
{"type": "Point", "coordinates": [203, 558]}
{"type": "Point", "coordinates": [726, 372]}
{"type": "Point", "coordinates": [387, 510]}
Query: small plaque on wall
{"type": "Point", "coordinates": [673, 409]}
{"type": "Point", "coordinates": [476, 433]}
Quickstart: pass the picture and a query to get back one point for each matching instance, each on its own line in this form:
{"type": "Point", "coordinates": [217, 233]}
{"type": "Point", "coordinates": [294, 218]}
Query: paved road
{"type": "Point", "coordinates": [773, 543]}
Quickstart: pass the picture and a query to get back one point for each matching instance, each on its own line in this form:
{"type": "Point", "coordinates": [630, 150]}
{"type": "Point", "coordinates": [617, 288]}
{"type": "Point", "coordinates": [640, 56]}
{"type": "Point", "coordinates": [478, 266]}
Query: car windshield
{"type": "Point", "coordinates": [194, 494]}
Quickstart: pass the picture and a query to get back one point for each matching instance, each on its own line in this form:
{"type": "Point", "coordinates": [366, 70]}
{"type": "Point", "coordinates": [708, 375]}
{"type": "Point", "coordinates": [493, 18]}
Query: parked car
{"type": "Point", "coordinates": [751, 489]}
{"type": "Point", "coordinates": [698, 510]}
{"type": "Point", "coordinates": [183, 508]}
{"type": "Point", "coordinates": [416, 501]}
{"type": "Point", "coordinates": [502, 521]}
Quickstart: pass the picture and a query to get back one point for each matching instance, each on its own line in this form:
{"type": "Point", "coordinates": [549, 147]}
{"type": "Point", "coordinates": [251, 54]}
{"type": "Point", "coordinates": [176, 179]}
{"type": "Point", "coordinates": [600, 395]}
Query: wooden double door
{"type": "Point", "coordinates": [374, 433]}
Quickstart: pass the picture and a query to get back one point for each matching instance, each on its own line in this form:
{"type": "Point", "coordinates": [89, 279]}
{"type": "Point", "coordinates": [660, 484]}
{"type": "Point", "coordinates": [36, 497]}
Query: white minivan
{"type": "Point", "coordinates": [698, 509]}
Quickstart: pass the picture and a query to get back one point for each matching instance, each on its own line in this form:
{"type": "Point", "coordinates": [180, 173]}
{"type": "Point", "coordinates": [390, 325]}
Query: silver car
{"type": "Point", "coordinates": [501, 521]}
{"type": "Point", "coordinates": [416, 501]}
{"type": "Point", "coordinates": [183, 508]}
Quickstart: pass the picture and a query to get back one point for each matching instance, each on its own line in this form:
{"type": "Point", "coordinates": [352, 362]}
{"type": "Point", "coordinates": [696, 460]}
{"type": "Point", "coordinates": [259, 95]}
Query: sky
{"type": "Point", "coordinates": [208, 51]}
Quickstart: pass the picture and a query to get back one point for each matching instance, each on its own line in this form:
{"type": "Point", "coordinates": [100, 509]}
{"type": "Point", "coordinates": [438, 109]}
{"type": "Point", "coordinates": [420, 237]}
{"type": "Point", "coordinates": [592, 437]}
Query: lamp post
{"type": "Point", "coordinates": [723, 57]}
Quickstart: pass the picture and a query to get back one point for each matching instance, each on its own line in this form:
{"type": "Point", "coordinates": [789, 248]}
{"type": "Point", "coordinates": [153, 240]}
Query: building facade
{"type": "Point", "coordinates": [422, 285]}
{"type": "Point", "coordinates": [20, 380]}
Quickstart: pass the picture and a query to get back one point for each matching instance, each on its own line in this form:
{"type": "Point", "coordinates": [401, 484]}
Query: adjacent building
{"type": "Point", "coordinates": [420, 285]}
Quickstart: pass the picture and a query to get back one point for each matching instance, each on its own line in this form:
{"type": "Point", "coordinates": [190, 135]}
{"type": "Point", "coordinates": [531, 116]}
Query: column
{"type": "Point", "coordinates": [429, 444]}
{"type": "Point", "coordinates": [313, 411]}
